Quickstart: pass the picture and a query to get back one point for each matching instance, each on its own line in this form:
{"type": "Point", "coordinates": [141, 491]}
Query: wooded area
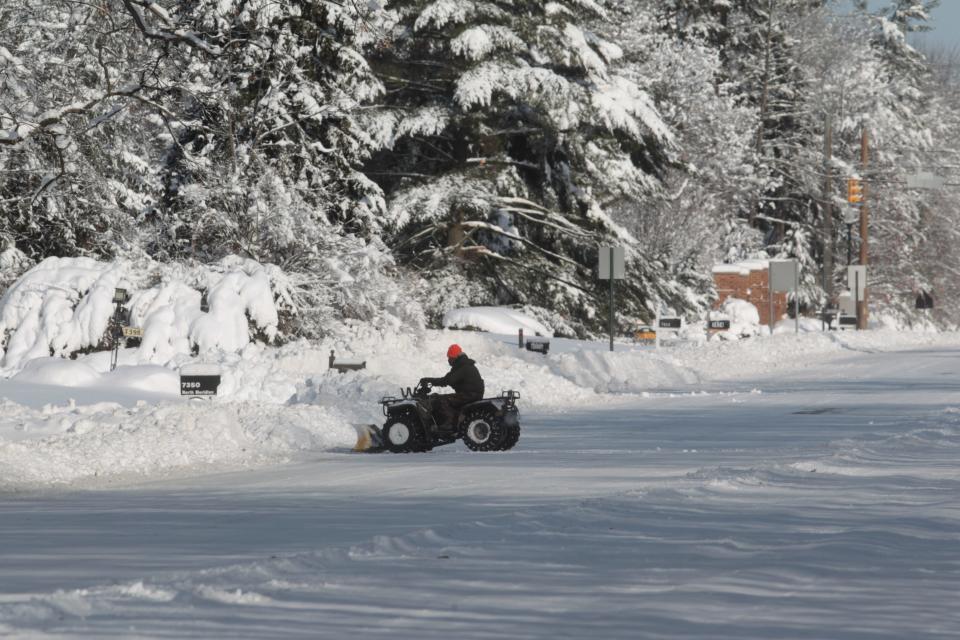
{"type": "Point", "coordinates": [429, 154]}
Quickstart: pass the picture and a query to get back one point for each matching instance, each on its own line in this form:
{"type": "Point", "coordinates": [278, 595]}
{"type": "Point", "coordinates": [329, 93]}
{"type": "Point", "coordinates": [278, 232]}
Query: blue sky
{"type": "Point", "coordinates": [945, 22]}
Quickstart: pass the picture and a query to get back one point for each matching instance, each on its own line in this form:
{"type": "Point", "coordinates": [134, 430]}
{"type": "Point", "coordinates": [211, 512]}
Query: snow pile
{"type": "Point", "coordinates": [503, 320]}
{"type": "Point", "coordinates": [58, 371]}
{"type": "Point", "coordinates": [77, 373]}
{"type": "Point", "coordinates": [297, 373]}
{"type": "Point", "coordinates": [67, 444]}
{"type": "Point", "coordinates": [64, 305]}
{"type": "Point", "coordinates": [622, 372]}
{"type": "Point", "coordinates": [744, 319]}
{"type": "Point", "coordinates": [276, 401]}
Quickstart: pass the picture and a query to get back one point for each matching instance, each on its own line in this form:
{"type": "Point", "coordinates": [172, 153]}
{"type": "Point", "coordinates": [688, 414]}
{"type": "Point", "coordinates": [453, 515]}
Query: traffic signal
{"type": "Point", "coordinates": [854, 191]}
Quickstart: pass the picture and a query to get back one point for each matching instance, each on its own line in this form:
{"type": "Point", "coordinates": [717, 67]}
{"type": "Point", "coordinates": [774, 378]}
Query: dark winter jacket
{"type": "Point", "coordinates": [463, 377]}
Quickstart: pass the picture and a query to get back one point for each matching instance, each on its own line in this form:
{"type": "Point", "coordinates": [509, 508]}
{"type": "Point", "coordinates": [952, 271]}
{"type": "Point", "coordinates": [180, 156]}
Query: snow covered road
{"type": "Point", "coordinates": [820, 503]}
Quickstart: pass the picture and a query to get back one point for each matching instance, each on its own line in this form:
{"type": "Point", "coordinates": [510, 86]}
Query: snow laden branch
{"type": "Point", "coordinates": [535, 213]}
{"type": "Point", "coordinates": [492, 228]}
{"type": "Point", "coordinates": [170, 31]}
{"type": "Point", "coordinates": [48, 120]}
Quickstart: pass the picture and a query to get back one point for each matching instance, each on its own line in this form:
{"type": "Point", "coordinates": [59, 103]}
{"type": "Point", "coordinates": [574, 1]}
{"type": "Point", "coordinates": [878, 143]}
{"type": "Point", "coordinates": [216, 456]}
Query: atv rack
{"type": "Point", "coordinates": [510, 398]}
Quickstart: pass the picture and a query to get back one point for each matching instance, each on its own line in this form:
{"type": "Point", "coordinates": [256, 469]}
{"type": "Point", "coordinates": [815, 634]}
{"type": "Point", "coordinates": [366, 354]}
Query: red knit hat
{"type": "Point", "coordinates": [454, 351]}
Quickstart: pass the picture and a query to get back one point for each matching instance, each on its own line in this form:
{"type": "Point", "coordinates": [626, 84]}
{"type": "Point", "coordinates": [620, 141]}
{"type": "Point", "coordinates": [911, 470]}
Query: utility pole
{"type": "Point", "coordinates": [864, 217]}
{"type": "Point", "coordinates": [828, 211]}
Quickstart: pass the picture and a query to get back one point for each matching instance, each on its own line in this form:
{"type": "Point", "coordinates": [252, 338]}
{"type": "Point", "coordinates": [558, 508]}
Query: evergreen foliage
{"type": "Point", "coordinates": [510, 132]}
{"type": "Point", "coordinates": [442, 153]}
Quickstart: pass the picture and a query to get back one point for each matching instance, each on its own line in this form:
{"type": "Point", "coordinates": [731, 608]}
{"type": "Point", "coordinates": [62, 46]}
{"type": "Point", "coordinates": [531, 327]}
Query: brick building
{"type": "Point", "coordinates": [748, 281]}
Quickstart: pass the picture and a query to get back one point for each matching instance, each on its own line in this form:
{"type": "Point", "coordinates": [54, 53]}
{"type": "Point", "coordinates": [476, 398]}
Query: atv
{"type": "Point", "coordinates": [490, 424]}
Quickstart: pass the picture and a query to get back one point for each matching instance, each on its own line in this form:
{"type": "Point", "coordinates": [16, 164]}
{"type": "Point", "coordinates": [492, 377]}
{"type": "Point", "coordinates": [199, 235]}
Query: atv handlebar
{"type": "Point", "coordinates": [422, 390]}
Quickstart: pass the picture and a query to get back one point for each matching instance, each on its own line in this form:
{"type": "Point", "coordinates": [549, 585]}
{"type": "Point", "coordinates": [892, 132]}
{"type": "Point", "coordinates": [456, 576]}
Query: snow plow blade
{"type": "Point", "coordinates": [369, 439]}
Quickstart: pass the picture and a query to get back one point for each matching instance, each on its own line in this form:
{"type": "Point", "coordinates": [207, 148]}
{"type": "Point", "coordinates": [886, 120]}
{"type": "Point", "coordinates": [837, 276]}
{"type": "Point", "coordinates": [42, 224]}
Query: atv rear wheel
{"type": "Point", "coordinates": [483, 432]}
{"type": "Point", "coordinates": [401, 436]}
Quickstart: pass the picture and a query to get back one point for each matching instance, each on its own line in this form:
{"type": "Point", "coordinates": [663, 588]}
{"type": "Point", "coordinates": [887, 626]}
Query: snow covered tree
{"type": "Point", "coordinates": [194, 130]}
{"type": "Point", "coordinates": [712, 178]}
{"type": "Point", "coordinates": [891, 101]}
{"type": "Point", "coordinates": [74, 154]}
{"type": "Point", "coordinates": [939, 253]}
{"type": "Point", "coordinates": [510, 133]}
{"type": "Point", "coordinates": [800, 65]}
{"type": "Point", "coordinates": [263, 160]}
{"type": "Point", "coordinates": [757, 45]}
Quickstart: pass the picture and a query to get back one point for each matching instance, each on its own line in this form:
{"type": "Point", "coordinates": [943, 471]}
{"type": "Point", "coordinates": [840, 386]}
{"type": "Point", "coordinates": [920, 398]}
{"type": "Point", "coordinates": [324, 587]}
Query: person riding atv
{"type": "Point", "coordinates": [467, 385]}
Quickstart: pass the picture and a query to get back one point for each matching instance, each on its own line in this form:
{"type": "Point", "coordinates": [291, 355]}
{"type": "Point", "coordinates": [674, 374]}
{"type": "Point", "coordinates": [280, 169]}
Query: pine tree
{"type": "Point", "coordinates": [264, 162]}
{"type": "Point", "coordinates": [510, 134]}
{"type": "Point", "coordinates": [73, 160]}
{"type": "Point", "coordinates": [712, 178]}
{"type": "Point", "coordinates": [899, 116]}
{"type": "Point", "coordinates": [761, 52]}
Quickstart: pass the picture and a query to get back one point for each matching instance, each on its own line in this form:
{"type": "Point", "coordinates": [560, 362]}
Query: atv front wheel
{"type": "Point", "coordinates": [400, 436]}
{"type": "Point", "coordinates": [483, 432]}
{"type": "Point", "coordinates": [510, 438]}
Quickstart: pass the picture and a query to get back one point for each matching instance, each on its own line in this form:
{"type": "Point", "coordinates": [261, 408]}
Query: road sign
{"type": "Point", "coordinates": [673, 324]}
{"type": "Point", "coordinates": [611, 256]}
{"type": "Point", "coordinates": [857, 281]}
{"type": "Point", "coordinates": [718, 325]}
{"type": "Point", "coordinates": [611, 268]}
{"type": "Point", "coordinates": [847, 304]}
{"type": "Point", "coordinates": [132, 332]}
{"type": "Point", "coordinates": [925, 180]}
{"type": "Point", "coordinates": [784, 275]}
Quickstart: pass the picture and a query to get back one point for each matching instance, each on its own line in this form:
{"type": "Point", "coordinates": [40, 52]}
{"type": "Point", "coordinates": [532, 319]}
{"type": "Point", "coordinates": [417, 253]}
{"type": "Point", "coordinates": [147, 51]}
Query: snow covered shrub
{"type": "Point", "coordinates": [13, 263]}
{"type": "Point", "coordinates": [448, 289]}
{"type": "Point", "coordinates": [349, 278]}
{"type": "Point", "coordinates": [744, 319]}
{"type": "Point", "coordinates": [64, 305]}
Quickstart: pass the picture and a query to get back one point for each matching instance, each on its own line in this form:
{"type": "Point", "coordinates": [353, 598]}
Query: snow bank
{"type": "Point", "coordinates": [70, 444]}
{"type": "Point", "coordinates": [64, 305]}
{"type": "Point", "coordinates": [277, 401]}
{"type": "Point", "coordinates": [77, 373]}
{"type": "Point", "coordinates": [58, 371]}
{"type": "Point", "coordinates": [502, 320]}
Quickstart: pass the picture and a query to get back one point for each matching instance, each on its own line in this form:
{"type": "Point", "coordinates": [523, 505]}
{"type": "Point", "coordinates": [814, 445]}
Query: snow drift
{"type": "Point", "coordinates": [503, 320]}
{"type": "Point", "coordinates": [278, 403]}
